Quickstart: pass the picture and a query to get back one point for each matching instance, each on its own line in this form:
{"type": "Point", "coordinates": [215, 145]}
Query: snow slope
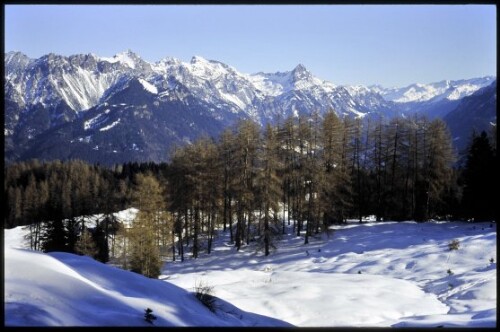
{"type": "Point", "coordinates": [61, 289]}
{"type": "Point", "coordinates": [360, 275]}
{"type": "Point", "coordinates": [374, 274]}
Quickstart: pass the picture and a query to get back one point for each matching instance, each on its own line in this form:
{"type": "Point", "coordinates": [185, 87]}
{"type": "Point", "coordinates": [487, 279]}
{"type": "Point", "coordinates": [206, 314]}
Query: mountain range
{"type": "Point", "coordinates": [122, 108]}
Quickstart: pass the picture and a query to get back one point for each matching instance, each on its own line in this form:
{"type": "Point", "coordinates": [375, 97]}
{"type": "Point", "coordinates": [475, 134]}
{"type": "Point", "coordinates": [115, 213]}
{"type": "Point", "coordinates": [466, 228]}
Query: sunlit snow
{"type": "Point", "coordinates": [148, 86]}
{"type": "Point", "coordinates": [108, 127]}
{"type": "Point", "coordinates": [95, 121]}
{"type": "Point", "coordinates": [360, 275]}
{"type": "Point", "coordinates": [451, 90]}
{"type": "Point", "coordinates": [373, 274]}
{"type": "Point", "coordinates": [125, 58]}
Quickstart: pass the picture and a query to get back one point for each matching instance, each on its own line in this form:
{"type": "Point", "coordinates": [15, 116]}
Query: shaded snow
{"type": "Point", "coordinates": [61, 289]}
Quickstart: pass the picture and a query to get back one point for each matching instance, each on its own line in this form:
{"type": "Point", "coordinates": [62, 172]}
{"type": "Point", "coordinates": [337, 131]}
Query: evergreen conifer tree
{"type": "Point", "coordinates": [479, 178]}
{"type": "Point", "coordinates": [54, 236]}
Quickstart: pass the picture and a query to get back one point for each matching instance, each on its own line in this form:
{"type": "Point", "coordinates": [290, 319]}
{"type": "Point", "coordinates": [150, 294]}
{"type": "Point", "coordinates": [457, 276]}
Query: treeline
{"type": "Point", "coordinates": [315, 171]}
{"type": "Point", "coordinates": [54, 199]}
{"type": "Point", "coordinates": [307, 172]}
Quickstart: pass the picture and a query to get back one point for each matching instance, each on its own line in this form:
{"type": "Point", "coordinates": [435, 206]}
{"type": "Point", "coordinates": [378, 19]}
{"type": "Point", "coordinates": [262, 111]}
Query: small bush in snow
{"type": "Point", "coordinates": [492, 260]}
{"type": "Point", "coordinates": [148, 315]}
{"type": "Point", "coordinates": [450, 272]}
{"type": "Point", "coordinates": [454, 245]}
{"type": "Point", "coordinates": [204, 293]}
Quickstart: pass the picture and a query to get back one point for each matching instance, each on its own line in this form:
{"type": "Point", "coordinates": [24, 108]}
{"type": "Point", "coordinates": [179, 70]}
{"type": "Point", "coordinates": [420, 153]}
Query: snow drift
{"type": "Point", "coordinates": [61, 289]}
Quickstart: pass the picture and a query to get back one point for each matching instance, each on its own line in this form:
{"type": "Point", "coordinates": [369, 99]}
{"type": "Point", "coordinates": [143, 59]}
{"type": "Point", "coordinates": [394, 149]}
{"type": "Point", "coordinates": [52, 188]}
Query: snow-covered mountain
{"type": "Point", "coordinates": [81, 81]}
{"type": "Point", "coordinates": [78, 80]}
{"type": "Point", "coordinates": [433, 100]}
{"type": "Point", "coordinates": [55, 102]}
{"type": "Point", "coordinates": [476, 112]}
{"type": "Point", "coordinates": [53, 98]}
{"type": "Point", "coordinates": [450, 90]}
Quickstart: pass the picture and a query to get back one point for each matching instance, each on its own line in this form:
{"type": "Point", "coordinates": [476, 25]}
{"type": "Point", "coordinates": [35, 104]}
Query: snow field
{"type": "Point", "coordinates": [373, 274]}
{"type": "Point", "coordinates": [360, 275]}
{"type": "Point", "coordinates": [319, 299]}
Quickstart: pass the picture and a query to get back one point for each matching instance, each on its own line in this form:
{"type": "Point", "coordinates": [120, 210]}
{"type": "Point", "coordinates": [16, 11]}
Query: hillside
{"type": "Point", "coordinates": [61, 289]}
{"type": "Point", "coordinates": [474, 113]}
{"type": "Point", "coordinates": [370, 274]}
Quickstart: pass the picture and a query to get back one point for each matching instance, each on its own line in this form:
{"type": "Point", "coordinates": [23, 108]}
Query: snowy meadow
{"type": "Point", "coordinates": [385, 274]}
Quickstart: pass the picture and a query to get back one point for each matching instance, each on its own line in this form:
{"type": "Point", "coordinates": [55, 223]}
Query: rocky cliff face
{"type": "Point", "coordinates": [123, 108]}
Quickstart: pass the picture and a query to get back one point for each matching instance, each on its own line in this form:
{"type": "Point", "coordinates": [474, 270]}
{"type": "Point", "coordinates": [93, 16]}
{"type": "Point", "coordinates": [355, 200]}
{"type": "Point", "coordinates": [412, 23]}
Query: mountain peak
{"type": "Point", "coordinates": [128, 58]}
{"type": "Point", "coordinates": [300, 68]}
{"type": "Point", "coordinates": [15, 57]}
{"type": "Point", "coordinates": [301, 73]}
{"type": "Point", "coordinates": [169, 59]}
{"type": "Point", "coordinates": [12, 54]}
{"type": "Point", "coordinates": [129, 53]}
{"type": "Point", "coordinates": [198, 59]}
{"type": "Point", "coordinates": [205, 93]}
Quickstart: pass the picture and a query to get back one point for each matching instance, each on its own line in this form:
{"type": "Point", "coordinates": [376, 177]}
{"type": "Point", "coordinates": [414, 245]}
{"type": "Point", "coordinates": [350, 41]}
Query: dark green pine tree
{"type": "Point", "coordinates": [479, 179]}
{"type": "Point", "coordinates": [55, 236]}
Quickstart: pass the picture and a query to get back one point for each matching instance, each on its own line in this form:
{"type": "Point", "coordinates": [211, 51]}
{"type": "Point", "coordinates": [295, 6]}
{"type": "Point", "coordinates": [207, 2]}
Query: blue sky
{"type": "Point", "coordinates": [392, 45]}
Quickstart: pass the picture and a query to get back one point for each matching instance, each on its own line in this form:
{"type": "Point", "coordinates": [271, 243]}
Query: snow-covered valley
{"type": "Point", "coordinates": [360, 275]}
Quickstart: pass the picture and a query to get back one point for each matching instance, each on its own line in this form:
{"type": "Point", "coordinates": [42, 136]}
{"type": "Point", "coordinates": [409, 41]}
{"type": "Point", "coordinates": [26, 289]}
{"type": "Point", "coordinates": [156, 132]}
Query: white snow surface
{"type": "Point", "coordinates": [95, 121]}
{"type": "Point", "coordinates": [61, 289]}
{"type": "Point", "coordinates": [368, 275]}
{"type": "Point", "coordinates": [108, 127]}
{"type": "Point", "coordinates": [126, 58]}
{"type": "Point", "coordinates": [361, 275]}
{"type": "Point", "coordinates": [418, 92]}
{"type": "Point", "coordinates": [148, 86]}
{"type": "Point", "coordinates": [274, 84]}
